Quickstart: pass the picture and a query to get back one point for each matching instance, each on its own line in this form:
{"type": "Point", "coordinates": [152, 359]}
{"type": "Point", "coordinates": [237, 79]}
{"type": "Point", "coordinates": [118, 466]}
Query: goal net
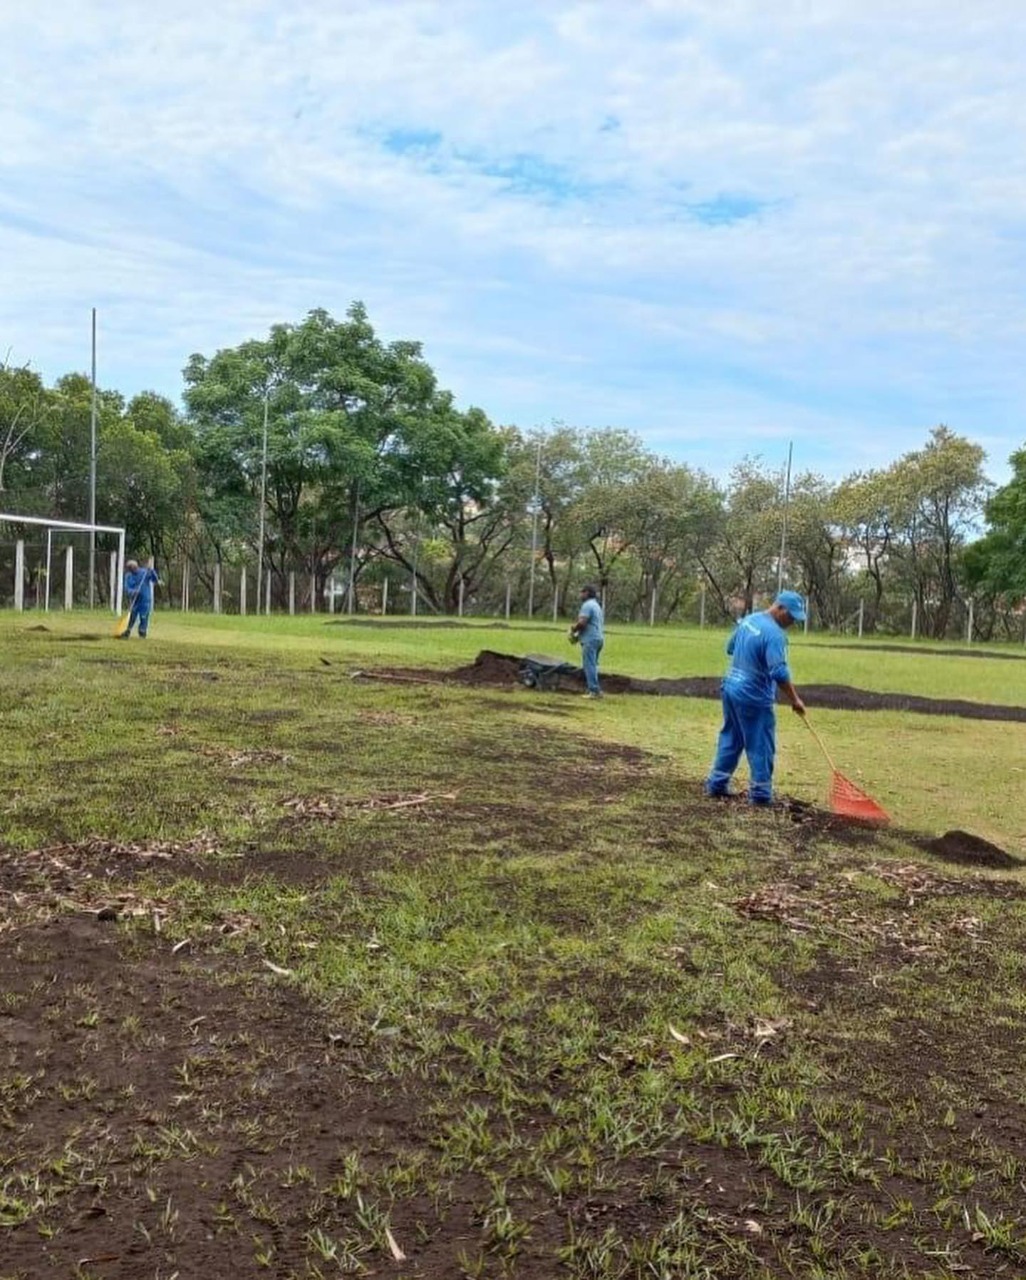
{"type": "Point", "coordinates": [45, 563]}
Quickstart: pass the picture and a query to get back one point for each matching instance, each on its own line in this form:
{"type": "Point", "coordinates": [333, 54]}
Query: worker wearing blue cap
{"type": "Point", "coordinates": [758, 649]}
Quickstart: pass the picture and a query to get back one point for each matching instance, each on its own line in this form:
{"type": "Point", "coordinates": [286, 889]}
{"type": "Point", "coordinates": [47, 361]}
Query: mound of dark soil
{"type": "Point", "coordinates": [842, 697]}
{"type": "Point", "coordinates": [491, 668]}
{"type": "Point", "coordinates": [969, 850]}
{"type": "Point", "coordinates": [488, 668]}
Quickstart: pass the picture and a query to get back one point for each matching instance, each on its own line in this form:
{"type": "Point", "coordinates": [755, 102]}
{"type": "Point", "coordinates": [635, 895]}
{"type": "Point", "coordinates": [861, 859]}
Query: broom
{"type": "Point", "coordinates": [846, 799]}
{"type": "Point", "coordinates": [122, 622]}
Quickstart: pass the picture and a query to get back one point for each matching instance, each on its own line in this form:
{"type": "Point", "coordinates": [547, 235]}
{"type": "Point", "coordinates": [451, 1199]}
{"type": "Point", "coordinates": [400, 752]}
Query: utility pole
{"type": "Point", "coordinates": [263, 503]}
{"type": "Point", "coordinates": [783, 531]}
{"type": "Point", "coordinates": [535, 505]}
{"type": "Point", "coordinates": [351, 606]}
{"type": "Point", "coordinates": [92, 476]}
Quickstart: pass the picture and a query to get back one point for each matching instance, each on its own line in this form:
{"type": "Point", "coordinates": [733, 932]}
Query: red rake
{"type": "Point", "coordinates": [846, 798]}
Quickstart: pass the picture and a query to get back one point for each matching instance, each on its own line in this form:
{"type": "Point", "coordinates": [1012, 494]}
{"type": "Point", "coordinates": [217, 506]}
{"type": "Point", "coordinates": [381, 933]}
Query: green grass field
{"type": "Point", "coordinates": [306, 975]}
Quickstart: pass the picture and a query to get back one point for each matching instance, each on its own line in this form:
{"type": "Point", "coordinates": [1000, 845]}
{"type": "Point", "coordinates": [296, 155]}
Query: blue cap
{"type": "Point", "coordinates": [793, 603]}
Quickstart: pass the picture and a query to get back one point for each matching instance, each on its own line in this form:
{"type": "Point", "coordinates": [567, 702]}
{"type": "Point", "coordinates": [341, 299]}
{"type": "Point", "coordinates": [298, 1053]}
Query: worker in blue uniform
{"type": "Point", "coordinates": [758, 651]}
{"type": "Point", "coordinates": [139, 584]}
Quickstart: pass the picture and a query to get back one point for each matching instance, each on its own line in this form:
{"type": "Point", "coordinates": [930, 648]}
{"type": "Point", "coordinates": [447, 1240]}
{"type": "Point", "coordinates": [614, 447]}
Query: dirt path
{"type": "Point", "coordinates": [931, 651]}
{"type": "Point", "coordinates": [503, 670]}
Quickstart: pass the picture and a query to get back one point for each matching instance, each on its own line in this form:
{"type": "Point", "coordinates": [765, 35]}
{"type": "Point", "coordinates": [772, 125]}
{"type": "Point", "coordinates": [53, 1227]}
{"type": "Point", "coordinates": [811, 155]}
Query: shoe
{"type": "Point", "coordinates": [594, 696]}
{"type": "Point", "coordinates": [125, 635]}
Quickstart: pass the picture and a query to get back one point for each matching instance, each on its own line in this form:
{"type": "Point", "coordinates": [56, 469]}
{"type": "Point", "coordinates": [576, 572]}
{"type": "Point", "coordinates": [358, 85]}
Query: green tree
{"type": "Point", "coordinates": [999, 558]}
{"type": "Point", "coordinates": [943, 492]}
{"type": "Point", "coordinates": [613, 462]}
{"type": "Point", "coordinates": [340, 403]}
{"type": "Point", "coordinates": [447, 472]}
{"type": "Point", "coordinates": [554, 463]}
{"type": "Point", "coordinates": [25, 405]}
{"type": "Point", "coordinates": [871, 508]}
{"type": "Point", "coordinates": [743, 560]}
{"type": "Point", "coordinates": [994, 566]}
{"type": "Point", "coordinates": [142, 485]}
{"type": "Point", "coordinates": [816, 548]}
{"type": "Point", "coordinates": [669, 517]}
{"type": "Point", "coordinates": [357, 433]}
{"type": "Point", "coordinates": [56, 474]}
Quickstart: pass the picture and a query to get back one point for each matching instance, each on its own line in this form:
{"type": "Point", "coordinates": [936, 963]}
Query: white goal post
{"type": "Point", "coordinates": [69, 526]}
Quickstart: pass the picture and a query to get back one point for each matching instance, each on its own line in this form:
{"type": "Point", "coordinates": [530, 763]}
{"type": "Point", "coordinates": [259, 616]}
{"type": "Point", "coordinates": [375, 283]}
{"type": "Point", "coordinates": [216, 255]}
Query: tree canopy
{"type": "Point", "coordinates": [370, 471]}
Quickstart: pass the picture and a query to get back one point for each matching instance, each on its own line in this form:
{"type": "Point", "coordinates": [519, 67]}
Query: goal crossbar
{"type": "Point", "coordinates": [73, 526]}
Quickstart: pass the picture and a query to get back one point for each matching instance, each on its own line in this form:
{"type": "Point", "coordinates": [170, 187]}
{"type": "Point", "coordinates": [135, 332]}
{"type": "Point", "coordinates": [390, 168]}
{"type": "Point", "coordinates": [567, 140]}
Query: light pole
{"type": "Point", "coordinates": [92, 476]}
{"type": "Point", "coordinates": [535, 507]}
{"type": "Point", "coordinates": [783, 531]}
{"type": "Point", "coordinates": [263, 505]}
{"type": "Point", "coordinates": [351, 605]}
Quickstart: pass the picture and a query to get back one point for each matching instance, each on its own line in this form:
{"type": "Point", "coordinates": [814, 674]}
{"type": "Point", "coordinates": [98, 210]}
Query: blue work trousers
{"type": "Point", "coordinates": [751, 728]}
{"type": "Point", "coordinates": [141, 614]}
{"type": "Point", "coordinates": [590, 650]}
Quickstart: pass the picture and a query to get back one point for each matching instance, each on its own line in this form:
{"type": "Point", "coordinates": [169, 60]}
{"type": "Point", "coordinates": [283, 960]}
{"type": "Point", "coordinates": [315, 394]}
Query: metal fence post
{"type": "Point", "coordinates": [19, 575]}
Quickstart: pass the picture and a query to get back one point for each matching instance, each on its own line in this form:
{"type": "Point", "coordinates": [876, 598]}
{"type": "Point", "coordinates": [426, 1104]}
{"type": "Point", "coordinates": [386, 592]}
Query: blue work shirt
{"type": "Point", "coordinates": [141, 581]}
{"type": "Point", "coordinates": [759, 651]}
{"type": "Point", "coordinates": [594, 629]}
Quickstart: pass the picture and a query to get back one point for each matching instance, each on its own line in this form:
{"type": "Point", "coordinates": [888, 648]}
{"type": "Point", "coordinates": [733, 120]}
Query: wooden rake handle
{"type": "Point", "coordinates": [820, 742]}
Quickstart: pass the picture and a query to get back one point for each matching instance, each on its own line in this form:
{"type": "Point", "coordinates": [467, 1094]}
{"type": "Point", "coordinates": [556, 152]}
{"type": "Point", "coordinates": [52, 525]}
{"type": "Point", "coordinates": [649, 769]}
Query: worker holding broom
{"type": "Point", "coordinates": [758, 649]}
{"type": "Point", "coordinates": [139, 584]}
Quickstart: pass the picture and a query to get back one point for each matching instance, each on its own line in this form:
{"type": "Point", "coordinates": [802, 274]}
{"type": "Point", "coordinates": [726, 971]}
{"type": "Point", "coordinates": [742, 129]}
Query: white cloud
{"type": "Point", "coordinates": [561, 235]}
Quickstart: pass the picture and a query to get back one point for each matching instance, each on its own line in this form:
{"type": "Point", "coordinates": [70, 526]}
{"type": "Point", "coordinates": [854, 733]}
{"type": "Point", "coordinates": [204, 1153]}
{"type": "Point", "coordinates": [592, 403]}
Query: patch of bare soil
{"type": "Point", "coordinates": [189, 1111]}
{"type": "Point", "coordinates": [37, 885]}
{"type": "Point", "coordinates": [503, 670]}
{"type": "Point", "coordinates": [931, 1077]}
{"type": "Point", "coordinates": [437, 624]}
{"type": "Point", "coordinates": [969, 850]}
{"type": "Point", "coordinates": [954, 846]}
{"type": "Point", "coordinates": [414, 624]}
{"type": "Point", "coordinates": [940, 653]}
{"type": "Point", "coordinates": [158, 1113]}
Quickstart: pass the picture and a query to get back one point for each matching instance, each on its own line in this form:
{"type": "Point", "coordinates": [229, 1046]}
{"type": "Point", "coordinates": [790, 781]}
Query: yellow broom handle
{"type": "Point", "coordinates": [822, 745]}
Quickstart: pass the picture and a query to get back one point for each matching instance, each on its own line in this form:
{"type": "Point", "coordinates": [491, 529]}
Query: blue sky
{"type": "Point", "coordinates": [723, 224]}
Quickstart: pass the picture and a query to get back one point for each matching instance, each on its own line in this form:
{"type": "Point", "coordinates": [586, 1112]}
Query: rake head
{"type": "Point", "coordinates": [847, 800]}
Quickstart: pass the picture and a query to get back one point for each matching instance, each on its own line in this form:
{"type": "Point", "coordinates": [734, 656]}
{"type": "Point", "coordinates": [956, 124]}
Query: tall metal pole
{"type": "Point", "coordinates": [263, 504]}
{"type": "Point", "coordinates": [352, 552]}
{"type": "Point", "coordinates": [783, 531]}
{"type": "Point", "coordinates": [92, 476]}
{"type": "Point", "coordinates": [535, 503]}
